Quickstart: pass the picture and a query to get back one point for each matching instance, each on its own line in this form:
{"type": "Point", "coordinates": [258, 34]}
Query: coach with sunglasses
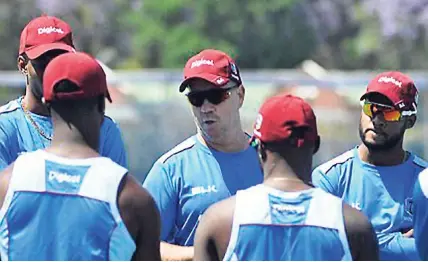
{"type": "Point", "coordinates": [209, 166]}
{"type": "Point", "coordinates": [378, 176]}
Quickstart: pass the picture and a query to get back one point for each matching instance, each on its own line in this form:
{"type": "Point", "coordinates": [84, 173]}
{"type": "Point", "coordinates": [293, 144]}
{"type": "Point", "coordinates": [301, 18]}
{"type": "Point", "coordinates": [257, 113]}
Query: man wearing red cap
{"type": "Point", "coordinates": [377, 177]}
{"type": "Point", "coordinates": [209, 166]}
{"type": "Point", "coordinates": [25, 124]}
{"type": "Point", "coordinates": [285, 218]}
{"type": "Point", "coordinates": [66, 202]}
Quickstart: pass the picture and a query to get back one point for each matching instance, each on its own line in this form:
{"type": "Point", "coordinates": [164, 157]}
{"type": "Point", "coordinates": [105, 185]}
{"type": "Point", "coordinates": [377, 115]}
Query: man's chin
{"type": "Point", "coordinates": [210, 135]}
{"type": "Point", "coordinates": [376, 146]}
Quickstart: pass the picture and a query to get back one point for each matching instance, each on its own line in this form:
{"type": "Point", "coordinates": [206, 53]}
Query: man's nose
{"type": "Point", "coordinates": [378, 120]}
{"type": "Point", "coordinates": [207, 107]}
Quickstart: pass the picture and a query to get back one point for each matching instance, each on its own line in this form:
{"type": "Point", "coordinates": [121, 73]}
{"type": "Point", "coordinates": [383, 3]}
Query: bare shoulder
{"type": "Point", "coordinates": [355, 221]}
{"type": "Point", "coordinates": [137, 207]}
{"type": "Point", "coordinates": [5, 176]}
{"type": "Point", "coordinates": [141, 217]}
{"type": "Point", "coordinates": [133, 196]}
{"type": "Point", "coordinates": [213, 233]}
{"type": "Point", "coordinates": [217, 221]}
{"type": "Point", "coordinates": [8, 170]}
{"type": "Point", "coordinates": [221, 211]}
{"type": "Point", "coordinates": [360, 234]}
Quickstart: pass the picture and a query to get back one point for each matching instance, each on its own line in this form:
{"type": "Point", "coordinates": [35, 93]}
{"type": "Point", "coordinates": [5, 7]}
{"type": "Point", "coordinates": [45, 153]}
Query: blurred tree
{"type": "Point", "coordinates": [402, 32]}
{"type": "Point", "coordinates": [97, 29]}
{"type": "Point", "coordinates": [257, 33]}
{"type": "Point", "coordinates": [348, 34]}
{"type": "Point", "coordinates": [370, 34]}
{"type": "Point", "coordinates": [13, 17]}
{"type": "Point", "coordinates": [164, 33]}
{"type": "Point", "coordinates": [336, 29]}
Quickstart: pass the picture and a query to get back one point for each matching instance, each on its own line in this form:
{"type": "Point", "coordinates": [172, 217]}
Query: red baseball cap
{"type": "Point", "coordinates": [43, 34]}
{"type": "Point", "coordinates": [397, 87]}
{"type": "Point", "coordinates": [79, 68]}
{"type": "Point", "coordinates": [213, 66]}
{"type": "Point", "coordinates": [280, 115]}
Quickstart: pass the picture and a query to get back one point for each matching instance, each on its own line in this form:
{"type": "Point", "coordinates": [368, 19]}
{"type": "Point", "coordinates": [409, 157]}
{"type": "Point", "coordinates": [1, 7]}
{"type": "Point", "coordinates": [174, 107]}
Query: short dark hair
{"type": "Point", "coordinates": [379, 98]}
{"type": "Point", "coordinates": [69, 108]}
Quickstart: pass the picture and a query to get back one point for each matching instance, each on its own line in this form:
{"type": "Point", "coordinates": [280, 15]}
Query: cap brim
{"type": "Point", "coordinates": [108, 96]}
{"type": "Point", "coordinates": [376, 92]}
{"type": "Point", "coordinates": [37, 51]}
{"type": "Point", "coordinates": [208, 77]}
{"type": "Point", "coordinates": [364, 96]}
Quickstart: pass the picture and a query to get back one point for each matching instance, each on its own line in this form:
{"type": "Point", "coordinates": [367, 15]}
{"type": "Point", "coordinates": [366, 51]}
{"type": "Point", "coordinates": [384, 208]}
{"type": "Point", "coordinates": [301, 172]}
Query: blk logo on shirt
{"type": "Point", "coordinates": [203, 190]}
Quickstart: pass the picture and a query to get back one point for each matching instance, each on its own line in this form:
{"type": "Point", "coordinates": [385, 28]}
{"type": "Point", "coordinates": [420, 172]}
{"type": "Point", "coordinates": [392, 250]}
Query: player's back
{"type": "Point", "coordinates": [63, 209]}
{"type": "Point", "coordinates": [269, 224]}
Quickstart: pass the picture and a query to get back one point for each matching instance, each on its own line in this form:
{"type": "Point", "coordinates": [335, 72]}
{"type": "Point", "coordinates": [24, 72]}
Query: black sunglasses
{"type": "Point", "coordinates": [215, 96]}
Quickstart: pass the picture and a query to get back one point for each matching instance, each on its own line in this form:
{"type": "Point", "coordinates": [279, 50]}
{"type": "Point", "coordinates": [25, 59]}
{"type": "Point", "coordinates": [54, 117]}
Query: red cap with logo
{"type": "Point", "coordinates": [282, 114]}
{"type": "Point", "coordinates": [79, 68]}
{"type": "Point", "coordinates": [397, 87]}
{"type": "Point", "coordinates": [43, 34]}
{"type": "Point", "coordinates": [213, 66]}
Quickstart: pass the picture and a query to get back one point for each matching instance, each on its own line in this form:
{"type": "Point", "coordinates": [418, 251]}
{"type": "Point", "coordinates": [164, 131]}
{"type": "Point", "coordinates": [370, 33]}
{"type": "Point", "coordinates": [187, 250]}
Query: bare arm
{"type": "Point", "coordinates": [141, 217]}
{"type": "Point", "coordinates": [148, 240]}
{"type": "Point", "coordinates": [361, 235]}
{"type": "Point", "coordinates": [205, 249]}
{"type": "Point", "coordinates": [171, 252]}
{"type": "Point", "coordinates": [5, 176]}
{"type": "Point", "coordinates": [213, 233]}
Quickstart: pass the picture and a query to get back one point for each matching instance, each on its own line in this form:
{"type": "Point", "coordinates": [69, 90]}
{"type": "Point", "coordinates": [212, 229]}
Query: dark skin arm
{"type": "Point", "coordinates": [141, 217]}
{"type": "Point", "coordinates": [360, 234]}
{"type": "Point", "coordinates": [214, 230]}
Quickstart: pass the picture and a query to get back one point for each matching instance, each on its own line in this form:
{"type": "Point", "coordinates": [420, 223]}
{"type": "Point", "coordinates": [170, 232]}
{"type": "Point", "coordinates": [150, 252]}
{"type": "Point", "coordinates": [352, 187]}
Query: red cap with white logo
{"type": "Point", "coordinates": [281, 115]}
{"type": "Point", "coordinates": [81, 69]}
{"type": "Point", "coordinates": [397, 87]}
{"type": "Point", "coordinates": [43, 34]}
{"type": "Point", "coordinates": [213, 66]}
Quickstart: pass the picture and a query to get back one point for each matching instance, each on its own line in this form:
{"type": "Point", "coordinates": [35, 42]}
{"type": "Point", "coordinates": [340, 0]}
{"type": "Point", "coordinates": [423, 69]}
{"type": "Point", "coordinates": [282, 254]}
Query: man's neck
{"type": "Point", "coordinates": [67, 141]}
{"type": "Point", "coordinates": [278, 174]}
{"type": "Point", "coordinates": [233, 143]}
{"type": "Point", "coordinates": [71, 148]}
{"type": "Point", "coordinates": [32, 104]}
{"type": "Point", "coordinates": [391, 157]}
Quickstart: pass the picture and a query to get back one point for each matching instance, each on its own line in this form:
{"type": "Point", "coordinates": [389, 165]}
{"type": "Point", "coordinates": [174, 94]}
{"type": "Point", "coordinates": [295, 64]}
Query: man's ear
{"type": "Point", "coordinates": [22, 64]}
{"type": "Point", "coordinates": [102, 104]}
{"type": "Point", "coordinates": [410, 121]}
{"type": "Point", "coordinates": [262, 152]}
{"type": "Point", "coordinates": [241, 94]}
{"type": "Point", "coordinates": [317, 144]}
